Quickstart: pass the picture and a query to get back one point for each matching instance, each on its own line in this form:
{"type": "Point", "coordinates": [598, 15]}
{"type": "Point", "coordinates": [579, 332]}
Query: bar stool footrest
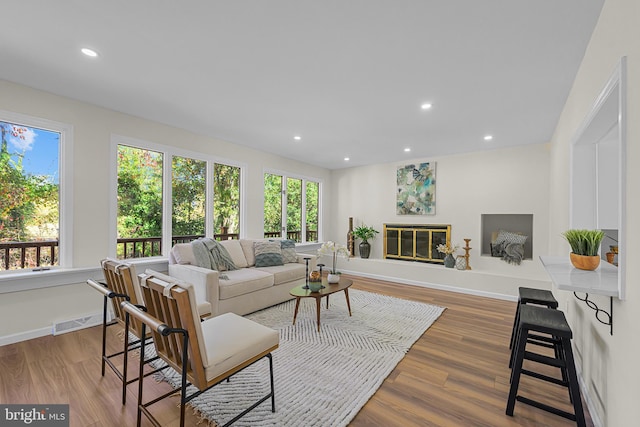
{"type": "Point", "coordinates": [545, 360]}
{"type": "Point", "coordinates": [547, 408]}
{"type": "Point", "coordinates": [545, 377]}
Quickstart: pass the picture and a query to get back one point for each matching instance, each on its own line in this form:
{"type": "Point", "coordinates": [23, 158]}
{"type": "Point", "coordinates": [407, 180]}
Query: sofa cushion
{"type": "Point", "coordinates": [236, 252]}
{"type": "Point", "coordinates": [288, 251]}
{"type": "Point", "coordinates": [244, 281]}
{"type": "Point", "coordinates": [247, 248]}
{"type": "Point", "coordinates": [230, 340]}
{"type": "Point", "coordinates": [268, 253]}
{"type": "Point", "coordinates": [183, 254]}
{"type": "Point", "coordinates": [285, 273]}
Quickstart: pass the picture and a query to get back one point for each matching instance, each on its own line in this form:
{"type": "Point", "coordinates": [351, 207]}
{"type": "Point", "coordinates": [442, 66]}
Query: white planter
{"type": "Point", "coordinates": [333, 278]}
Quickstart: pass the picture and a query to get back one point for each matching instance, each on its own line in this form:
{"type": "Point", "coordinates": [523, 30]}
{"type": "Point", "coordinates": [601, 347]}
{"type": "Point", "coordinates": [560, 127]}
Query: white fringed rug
{"type": "Point", "coordinates": [321, 379]}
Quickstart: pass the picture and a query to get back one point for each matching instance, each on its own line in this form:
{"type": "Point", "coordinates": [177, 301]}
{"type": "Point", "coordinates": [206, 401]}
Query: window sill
{"type": "Point", "coordinates": [39, 279]}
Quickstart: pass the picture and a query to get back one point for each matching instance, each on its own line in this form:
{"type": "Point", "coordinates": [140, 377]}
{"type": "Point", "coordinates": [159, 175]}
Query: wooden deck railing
{"type": "Point", "coordinates": [44, 253]}
{"type": "Point", "coordinates": [312, 235]}
{"type": "Point", "coordinates": [41, 253]}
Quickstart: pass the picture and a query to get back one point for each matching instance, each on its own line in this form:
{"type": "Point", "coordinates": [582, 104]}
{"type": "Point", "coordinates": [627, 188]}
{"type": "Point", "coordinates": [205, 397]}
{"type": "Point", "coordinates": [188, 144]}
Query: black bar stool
{"type": "Point", "coordinates": [553, 322]}
{"type": "Point", "coordinates": [531, 296]}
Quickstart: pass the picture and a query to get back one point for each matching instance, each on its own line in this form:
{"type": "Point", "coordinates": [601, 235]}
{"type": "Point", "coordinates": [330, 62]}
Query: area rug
{"type": "Point", "coordinates": [321, 378]}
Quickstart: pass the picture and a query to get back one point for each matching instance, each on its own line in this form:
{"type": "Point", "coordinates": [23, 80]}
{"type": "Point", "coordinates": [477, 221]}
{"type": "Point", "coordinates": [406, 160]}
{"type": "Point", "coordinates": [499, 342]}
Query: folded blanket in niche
{"type": "Point", "coordinates": [513, 253]}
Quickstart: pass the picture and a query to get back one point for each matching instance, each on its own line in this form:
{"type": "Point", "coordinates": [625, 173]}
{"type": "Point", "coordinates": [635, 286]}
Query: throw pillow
{"type": "Point", "coordinates": [288, 251]}
{"type": "Point", "coordinates": [268, 253]}
{"type": "Point", "coordinates": [509, 237]}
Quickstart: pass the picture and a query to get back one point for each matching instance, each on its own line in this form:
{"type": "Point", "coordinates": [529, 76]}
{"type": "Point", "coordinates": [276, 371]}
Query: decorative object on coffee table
{"type": "Point", "coordinates": [334, 250]}
{"type": "Point", "coordinates": [365, 233]}
{"type": "Point", "coordinates": [306, 275]}
{"type": "Point", "coordinates": [315, 286]}
{"type": "Point", "coordinates": [350, 239]}
{"type": "Point", "coordinates": [467, 248]}
{"type": "Point", "coordinates": [315, 276]}
{"type": "Point", "coordinates": [448, 250]}
{"type": "Point", "coordinates": [585, 245]}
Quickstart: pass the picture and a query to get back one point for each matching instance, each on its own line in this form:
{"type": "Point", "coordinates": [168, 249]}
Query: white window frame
{"type": "Point", "coordinates": [303, 219]}
{"type": "Point", "coordinates": [65, 202]}
{"type": "Point", "coordinates": [168, 152]}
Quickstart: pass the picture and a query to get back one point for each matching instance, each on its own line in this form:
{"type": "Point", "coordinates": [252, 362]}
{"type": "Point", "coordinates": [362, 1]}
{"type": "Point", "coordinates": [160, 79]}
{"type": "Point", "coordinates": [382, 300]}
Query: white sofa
{"type": "Point", "coordinates": [249, 288]}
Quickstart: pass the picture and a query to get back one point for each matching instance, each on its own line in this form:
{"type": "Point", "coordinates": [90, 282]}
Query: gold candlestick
{"type": "Point", "coordinates": [466, 252]}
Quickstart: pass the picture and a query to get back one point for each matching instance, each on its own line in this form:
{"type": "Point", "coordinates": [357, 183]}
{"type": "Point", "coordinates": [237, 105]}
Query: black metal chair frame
{"type": "Point", "coordinates": [108, 294]}
{"type": "Point", "coordinates": [164, 330]}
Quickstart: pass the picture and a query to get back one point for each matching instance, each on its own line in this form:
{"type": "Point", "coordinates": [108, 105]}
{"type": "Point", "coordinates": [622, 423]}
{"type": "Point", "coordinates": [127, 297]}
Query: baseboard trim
{"type": "Point", "coordinates": [24, 336]}
{"type": "Point", "coordinates": [588, 400]}
{"type": "Point", "coordinates": [456, 289]}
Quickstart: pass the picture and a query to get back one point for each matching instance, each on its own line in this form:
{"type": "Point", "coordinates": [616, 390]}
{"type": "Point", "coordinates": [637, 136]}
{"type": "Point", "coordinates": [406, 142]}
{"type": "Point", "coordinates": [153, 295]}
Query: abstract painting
{"type": "Point", "coordinates": [416, 191]}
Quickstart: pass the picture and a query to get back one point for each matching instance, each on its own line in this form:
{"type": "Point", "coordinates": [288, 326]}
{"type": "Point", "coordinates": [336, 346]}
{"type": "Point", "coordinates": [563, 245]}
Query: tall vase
{"type": "Point", "coordinates": [351, 239]}
{"type": "Point", "coordinates": [365, 249]}
{"type": "Point", "coordinates": [449, 261]}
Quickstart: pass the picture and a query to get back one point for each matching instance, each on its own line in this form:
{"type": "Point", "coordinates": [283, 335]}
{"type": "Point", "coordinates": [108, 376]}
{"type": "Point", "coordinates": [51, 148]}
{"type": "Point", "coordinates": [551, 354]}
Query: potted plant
{"type": "Point", "coordinates": [334, 250]}
{"type": "Point", "coordinates": [448, 250]}
{"type": "Point", "coordinates": [364, 233]}
{"type": "Point", "coordinates": [584, 247]}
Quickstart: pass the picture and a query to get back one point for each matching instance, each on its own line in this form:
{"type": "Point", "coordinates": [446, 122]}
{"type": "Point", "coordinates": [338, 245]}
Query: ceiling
{"type": "Point", "coordinates": [348, 77]}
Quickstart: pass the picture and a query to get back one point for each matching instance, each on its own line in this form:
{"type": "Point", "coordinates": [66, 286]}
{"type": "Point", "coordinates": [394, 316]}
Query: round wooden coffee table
{"type": "Point", "coordinates": [329, 288]}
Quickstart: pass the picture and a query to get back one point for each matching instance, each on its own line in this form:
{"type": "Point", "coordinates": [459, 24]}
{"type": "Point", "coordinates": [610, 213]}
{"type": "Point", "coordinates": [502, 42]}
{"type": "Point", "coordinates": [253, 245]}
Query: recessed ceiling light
{"type": "Point", "coordinates": [488, 137]}
{"type": "Point", "coordinates": [297, 138]}
{"type": "Point", "coordinates": [406, 150]}
{"type": "Point", "coordinates": [425, 106]}
{"type": "Point", "coordinates": [346, 159]}
{"type": "Point", "coordinates": [89, 52]}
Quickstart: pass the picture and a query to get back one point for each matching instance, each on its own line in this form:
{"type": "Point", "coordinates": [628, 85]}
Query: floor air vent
{"type": "Point", "coordinates": [76, 324]}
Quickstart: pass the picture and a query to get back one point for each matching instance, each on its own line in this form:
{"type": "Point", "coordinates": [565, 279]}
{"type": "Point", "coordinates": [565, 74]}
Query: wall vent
{"type": "Point", "coordinates": [79, 323]}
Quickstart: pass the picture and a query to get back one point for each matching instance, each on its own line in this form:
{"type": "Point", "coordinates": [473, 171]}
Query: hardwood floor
{"type": "Point", "coordinates": [456, 374]}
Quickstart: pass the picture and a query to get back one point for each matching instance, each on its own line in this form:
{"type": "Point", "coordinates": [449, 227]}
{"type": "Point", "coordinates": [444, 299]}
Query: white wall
{"type": "Point", "coordinates": [506, 181]}
{"type": "Point", "coordinates": [609, 363]}
{"type": "Point", "coordinates": [93, 127]}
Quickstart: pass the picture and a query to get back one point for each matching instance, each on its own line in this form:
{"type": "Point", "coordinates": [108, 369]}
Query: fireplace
{"type": "Point", "coordinates": [415, 242]}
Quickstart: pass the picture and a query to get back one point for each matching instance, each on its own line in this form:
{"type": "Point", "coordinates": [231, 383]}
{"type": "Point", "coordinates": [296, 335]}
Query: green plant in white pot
{"type": "Point", "coordinates": [364, 233]}
{"type": "Point", "coordinates": [585, 245]}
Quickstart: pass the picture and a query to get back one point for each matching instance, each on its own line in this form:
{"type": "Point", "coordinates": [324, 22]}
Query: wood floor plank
{"type": "Point", "coordinates": [456, 374]}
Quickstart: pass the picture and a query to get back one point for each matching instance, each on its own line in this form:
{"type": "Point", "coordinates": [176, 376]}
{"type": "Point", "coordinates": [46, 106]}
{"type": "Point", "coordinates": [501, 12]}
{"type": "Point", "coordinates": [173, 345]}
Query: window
{"type": "Point", "coordinates": [188, 189]}
{"type": "Point", "coordinates": [33, 233]}
{"type": "Point", "coordinates": [312, 198]}
{"type": "Point", "coordinates": [272, 205]}
{"type": "Point", "coordinates": [294, 209]}
{"type": "Point", "coordinates": [139, 202]}
{"type": "Point", "coordinates": [226, 201]}
{"type": "Point", "coordinates": [165, 196]}
{"type": "Point", "coordinates": [300, 200]}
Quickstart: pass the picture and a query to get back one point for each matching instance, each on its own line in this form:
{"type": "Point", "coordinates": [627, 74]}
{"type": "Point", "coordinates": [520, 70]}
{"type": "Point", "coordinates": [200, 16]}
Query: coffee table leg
{"type": "Point", "coordinates": [295, 312]}
{"type": "Point", "coordinates": [328, 302]}
{"type": "Point", "coordinates": [346, 294]}
{"type": "Point", "coordinates": [318, 312]}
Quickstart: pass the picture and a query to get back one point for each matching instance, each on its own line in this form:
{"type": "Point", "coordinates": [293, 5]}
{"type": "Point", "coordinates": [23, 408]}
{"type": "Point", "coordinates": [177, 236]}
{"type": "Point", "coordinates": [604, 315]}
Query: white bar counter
{"type": "Point", "coordinates": [601, 281]}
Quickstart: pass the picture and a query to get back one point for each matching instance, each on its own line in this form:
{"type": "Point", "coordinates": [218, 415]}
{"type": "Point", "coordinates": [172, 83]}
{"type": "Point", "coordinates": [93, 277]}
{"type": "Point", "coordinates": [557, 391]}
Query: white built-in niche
{"type": "Point", "coordinates": [492, 224]}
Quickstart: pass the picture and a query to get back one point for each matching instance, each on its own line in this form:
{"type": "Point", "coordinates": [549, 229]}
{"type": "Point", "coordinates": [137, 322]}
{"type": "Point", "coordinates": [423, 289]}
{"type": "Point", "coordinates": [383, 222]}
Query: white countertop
{"type": "Point", "coordinates": [601, 281]}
